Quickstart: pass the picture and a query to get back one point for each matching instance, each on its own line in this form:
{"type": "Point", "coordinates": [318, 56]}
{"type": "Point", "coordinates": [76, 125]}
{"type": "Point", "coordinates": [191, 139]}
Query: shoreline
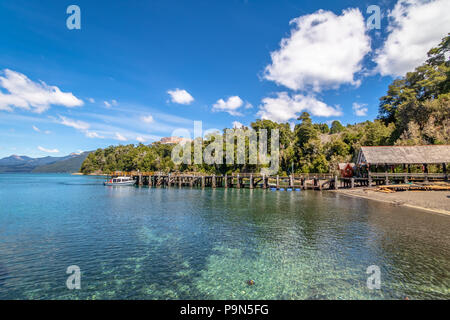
{"type": "Point", "coordinates": [411, 199]}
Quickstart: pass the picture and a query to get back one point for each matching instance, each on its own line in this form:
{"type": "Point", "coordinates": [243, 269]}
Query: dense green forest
{"type": "Point", "coordinates": [415, 111]}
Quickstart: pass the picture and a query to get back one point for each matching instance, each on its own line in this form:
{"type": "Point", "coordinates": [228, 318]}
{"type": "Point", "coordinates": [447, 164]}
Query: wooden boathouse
{"type": "Point", "coordinates": [403, 163]}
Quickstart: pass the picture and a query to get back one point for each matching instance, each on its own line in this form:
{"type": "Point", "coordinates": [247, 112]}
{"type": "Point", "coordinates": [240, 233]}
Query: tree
{"type": "Point", "coordinates": [322, 127]}
{"type": "Point", "coordinates": [407, 98]}
{"type": "Point", "coordinates": [337, 147]}
{"type": "Point", "coordinates": [320, 164]}
{"type": "Point", "coordinates": [336, 127]}
{"type": "Point", "coordinates": [305, 131]}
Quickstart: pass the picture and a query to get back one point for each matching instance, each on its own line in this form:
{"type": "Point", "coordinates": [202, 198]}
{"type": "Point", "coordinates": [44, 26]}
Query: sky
{"type": "Point", "coordinates": [137, 71]}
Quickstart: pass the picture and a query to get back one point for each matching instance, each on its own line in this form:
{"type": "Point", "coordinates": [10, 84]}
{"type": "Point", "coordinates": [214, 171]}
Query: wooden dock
{"type": "Point", "coordinates": [308, 181]}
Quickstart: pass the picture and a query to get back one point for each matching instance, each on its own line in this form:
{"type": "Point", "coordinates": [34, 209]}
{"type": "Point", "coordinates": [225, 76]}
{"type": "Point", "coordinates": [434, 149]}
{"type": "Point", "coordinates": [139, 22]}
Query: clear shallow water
{"type": "Point", "coordinates": [141, 243]}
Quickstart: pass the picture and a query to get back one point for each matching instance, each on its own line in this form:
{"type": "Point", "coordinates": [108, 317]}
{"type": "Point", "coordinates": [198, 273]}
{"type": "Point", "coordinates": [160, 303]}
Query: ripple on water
{"type": "Point", "coordinates": [141, 243]}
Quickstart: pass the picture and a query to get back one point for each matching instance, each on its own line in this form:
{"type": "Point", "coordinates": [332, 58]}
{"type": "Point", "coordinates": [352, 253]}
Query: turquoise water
{"type": "Point", "coordinates": [141, 243]}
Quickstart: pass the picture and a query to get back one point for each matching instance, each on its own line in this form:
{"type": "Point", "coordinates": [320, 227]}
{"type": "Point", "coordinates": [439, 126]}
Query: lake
{"type": "Point", "coordinates": [155, 243]}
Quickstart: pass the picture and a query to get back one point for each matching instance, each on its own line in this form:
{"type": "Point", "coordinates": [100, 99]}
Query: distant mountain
{"type": "Point", "coordinates": [70, 165]}
{"type": "Point", "coordinates": [14, 160]}
{"type": "Point", "coordinates": [24, 164]}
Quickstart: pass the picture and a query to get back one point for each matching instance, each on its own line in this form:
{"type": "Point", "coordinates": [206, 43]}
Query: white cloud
{"type": "Point", "coordinates": [283, 108]}
{"type": "Point", "coordinates": [48, 150]}
{"type": "Point", "coordinates": [180, 96]}
{"type": "Point", "coordinates": [109, 104]}
{"type": "Point", "coordinates": [39, 130]}
{"type": "Point", "coordinates": [360, 109]}
{"type": "Point", "coordinates": [248, 105]}
{"type": "Point", "coordinates": [140, 139]}
{"type": "Point", "coordinates": [93, 134]}
{"type": "Point", "coordinates": [29, 95]}
{"type": "Point", "coordinates": [120, 137]}
{"type": "Point", "coordinates": [91, 100]}
{"type": "Point", "coordinates": [79, 125]}
{"type": "Point", "coordinates": [323, 51]}
{"type": "Point", "coordinates": [237, 125]}
{"type": "Point", "coordinates": [415, 26]}
{"type": "Point", "coordinates": [230, 105]}
{"type": "Point", "coordinates": [147, 119]}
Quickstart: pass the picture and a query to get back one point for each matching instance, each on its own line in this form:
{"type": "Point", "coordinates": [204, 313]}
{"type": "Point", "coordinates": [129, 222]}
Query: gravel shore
{"type": "Point", "coordinates": [435, 201]}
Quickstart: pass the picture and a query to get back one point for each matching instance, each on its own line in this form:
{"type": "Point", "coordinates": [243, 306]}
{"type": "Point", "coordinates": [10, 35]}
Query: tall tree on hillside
{"type": "Point", "coordinates": [336, 127]}
{"type": "Point", "coordinates": [408, 98]}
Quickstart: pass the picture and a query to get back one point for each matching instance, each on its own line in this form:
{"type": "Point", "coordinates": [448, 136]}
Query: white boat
{"type": "Point", "coordinates": [120, 181]}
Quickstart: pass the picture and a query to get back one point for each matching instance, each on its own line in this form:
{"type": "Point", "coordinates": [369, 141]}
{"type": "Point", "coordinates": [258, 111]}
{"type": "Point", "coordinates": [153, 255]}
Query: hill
{"type": "Point", "coordinates": [24, 164]}
{"type": "Point", "coordinates": [70, 165]}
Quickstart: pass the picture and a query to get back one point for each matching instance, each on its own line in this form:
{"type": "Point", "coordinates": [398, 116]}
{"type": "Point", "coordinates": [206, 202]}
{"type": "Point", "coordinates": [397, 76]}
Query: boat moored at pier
{"type": "Point", "coordinates": [120, 181]}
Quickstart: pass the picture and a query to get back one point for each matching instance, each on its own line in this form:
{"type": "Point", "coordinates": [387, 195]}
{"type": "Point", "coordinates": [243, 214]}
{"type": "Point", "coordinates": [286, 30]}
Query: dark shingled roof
{"type": "Point", "coordinates": [404, 154]}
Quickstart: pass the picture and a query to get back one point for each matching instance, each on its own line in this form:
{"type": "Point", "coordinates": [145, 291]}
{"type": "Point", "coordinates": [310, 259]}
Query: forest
{"type": "Point", "coordinates": [414, 111]}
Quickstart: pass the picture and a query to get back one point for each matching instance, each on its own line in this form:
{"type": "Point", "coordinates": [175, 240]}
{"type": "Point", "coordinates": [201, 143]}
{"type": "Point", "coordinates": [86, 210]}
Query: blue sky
{"type": "Point", "coordinates": [223, 62]}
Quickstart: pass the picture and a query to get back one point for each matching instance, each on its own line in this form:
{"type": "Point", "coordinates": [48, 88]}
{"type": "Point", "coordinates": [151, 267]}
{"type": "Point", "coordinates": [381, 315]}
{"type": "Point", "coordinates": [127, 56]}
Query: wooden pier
{"type": "Point", "coordinates": [292, 182]}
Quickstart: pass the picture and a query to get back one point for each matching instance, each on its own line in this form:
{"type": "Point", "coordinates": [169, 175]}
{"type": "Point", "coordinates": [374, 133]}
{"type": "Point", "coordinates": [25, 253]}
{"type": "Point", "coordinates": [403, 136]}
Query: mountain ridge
{"type": "Point", "coordinates": [24, 164]}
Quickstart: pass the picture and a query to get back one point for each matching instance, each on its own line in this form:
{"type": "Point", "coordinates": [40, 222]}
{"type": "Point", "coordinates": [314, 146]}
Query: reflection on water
{"type": "Point", "coordinates": [141, 243]}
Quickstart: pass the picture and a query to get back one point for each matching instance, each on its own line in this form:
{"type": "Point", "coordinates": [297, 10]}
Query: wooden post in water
{"type": "Point", "coordinates": [386, 179]}
{"type": "Point", "coordinates": [238, 185]}
{"type": "Point", "coordinates": [335, 182]}
{"type": "Point", "coordinates": [225, 181]}
{"type": "Point", "coordinates": [265, 180]}
{"type": "Point", "coordinates": [203, 181]}
{"type": "Point", "coordinates": [213, 181]}
{"type": "Point", "coordinates": [278, 182]}
{"type": "Point", "coordinates": [291, 181]}
{"type": "Point", "coordinates": [251, 181]}
{"type": "Point", "coordinates": [352, 183]}
{"type": "Point", "coordinates": [304, 183]}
